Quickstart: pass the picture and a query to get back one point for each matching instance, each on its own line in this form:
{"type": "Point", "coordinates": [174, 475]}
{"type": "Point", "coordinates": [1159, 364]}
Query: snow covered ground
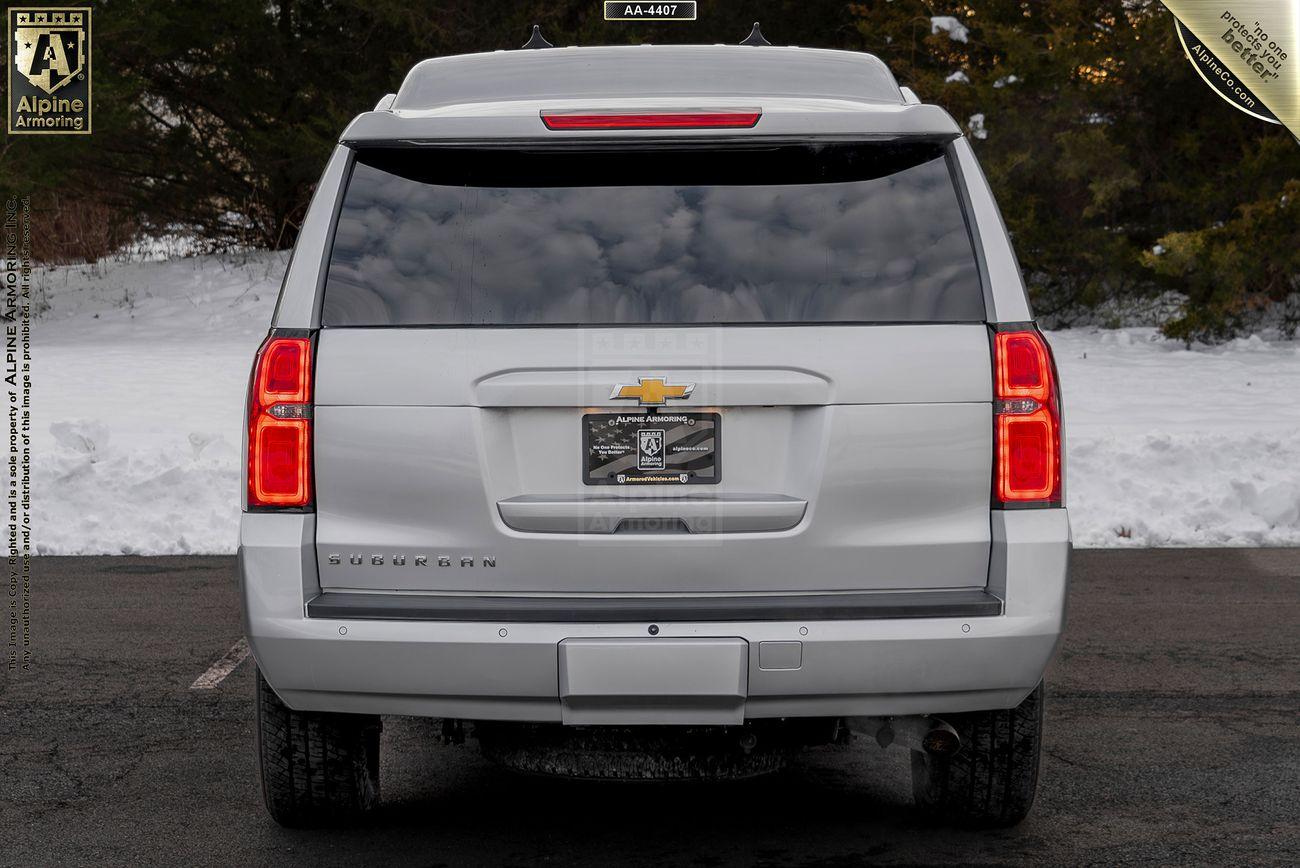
{"type": "Point", "coordinates": [1166, 446]}
{"type": "Point", "coordinates": [139, 376]}
{"type": "Point", "coordinates": [141, 369]}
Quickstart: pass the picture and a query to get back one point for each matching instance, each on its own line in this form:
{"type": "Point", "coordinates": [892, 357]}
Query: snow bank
{"type": "Point", "coordinates": [141, 370]}
{"type": "Point", "coordinates": [139, 380]}
{"type": "Point", "coordinates": [1167, 446]}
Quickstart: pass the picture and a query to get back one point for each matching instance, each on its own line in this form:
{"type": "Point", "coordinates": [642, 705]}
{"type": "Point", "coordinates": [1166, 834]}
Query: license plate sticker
{"type": "Point", "coordinates": [651, 448]}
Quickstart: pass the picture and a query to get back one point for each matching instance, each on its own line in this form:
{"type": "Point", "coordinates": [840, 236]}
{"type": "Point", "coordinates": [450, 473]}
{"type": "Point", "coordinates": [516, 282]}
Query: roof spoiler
{"type": "Point", "coordinates": [521, 120]}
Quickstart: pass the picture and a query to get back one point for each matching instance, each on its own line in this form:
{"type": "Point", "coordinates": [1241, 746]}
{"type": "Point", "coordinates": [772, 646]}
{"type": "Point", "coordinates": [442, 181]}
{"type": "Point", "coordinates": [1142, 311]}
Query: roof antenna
{"type": "Point", "coordinates": [537, 40]}
{"type": "Point", "coordinates": [755, 37]}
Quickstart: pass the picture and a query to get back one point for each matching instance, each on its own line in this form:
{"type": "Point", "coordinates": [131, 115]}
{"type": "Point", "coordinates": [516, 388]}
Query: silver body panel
{"type": "Point", "coordinates": [855, 458]}
{"type": "Point", "coordinates": [619, 680]}
{"type": "Point", "coordinates": [577, 513]}
{"type": "Point", "coordinates": [736, 366]}
{"type": "Point", "coordinates": [511, 671]}
{"type": "Point", "coordinates": [680, 72]}
{"type": "Point", "coordinates": [452, 459]}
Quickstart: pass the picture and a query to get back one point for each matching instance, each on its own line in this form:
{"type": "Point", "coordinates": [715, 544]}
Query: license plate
{"type": "Point", "coordinates": [651, 448]}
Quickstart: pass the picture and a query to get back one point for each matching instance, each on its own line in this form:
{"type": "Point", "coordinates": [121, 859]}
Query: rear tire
{"type": "Point", "coordinates": [316, 767]}
{"type": "Point", "coordinates": [991, 781]}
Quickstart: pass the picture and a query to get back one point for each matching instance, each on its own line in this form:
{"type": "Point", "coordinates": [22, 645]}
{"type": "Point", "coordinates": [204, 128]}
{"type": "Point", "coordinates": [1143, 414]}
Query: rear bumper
{"type": "Point", "coordinates": [513, 668]}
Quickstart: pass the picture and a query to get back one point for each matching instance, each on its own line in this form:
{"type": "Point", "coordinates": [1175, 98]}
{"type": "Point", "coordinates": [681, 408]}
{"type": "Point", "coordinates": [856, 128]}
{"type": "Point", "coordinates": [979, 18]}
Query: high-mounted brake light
{"type": "Point", "coordinates": [279, 424]}
{"type": "Point", "coordinates": [643, 119]}
{"type": "Point", "coordinates": [1027, 435]}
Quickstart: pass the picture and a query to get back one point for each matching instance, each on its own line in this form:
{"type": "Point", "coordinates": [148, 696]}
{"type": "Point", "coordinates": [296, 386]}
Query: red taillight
{"type": "Point", "coordinates": [279, 424]}
{"type": "Point", "coordinates": [1028, 420]}
{"type": "Point", "coordinates": [1024, 370]}
{"type": "Point", "coordinates": [649, 119]}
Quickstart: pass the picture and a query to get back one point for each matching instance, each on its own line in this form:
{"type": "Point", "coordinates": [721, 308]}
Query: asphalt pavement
{"type": "Point", "coordinates": [1173, 737]}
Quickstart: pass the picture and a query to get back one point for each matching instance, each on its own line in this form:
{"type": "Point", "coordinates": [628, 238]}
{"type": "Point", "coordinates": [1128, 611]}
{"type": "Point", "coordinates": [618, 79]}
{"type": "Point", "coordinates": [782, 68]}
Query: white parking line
{"type": "Point", "coordinates": [218, 671]}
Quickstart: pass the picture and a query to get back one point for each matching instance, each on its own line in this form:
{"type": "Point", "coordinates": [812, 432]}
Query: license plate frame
{"type": "Point", "coordinates": [619, 448]}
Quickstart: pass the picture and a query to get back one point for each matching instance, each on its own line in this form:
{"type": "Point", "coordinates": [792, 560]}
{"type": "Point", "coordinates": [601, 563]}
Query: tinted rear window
{"type": "Point", "coordinates": [791, 234]}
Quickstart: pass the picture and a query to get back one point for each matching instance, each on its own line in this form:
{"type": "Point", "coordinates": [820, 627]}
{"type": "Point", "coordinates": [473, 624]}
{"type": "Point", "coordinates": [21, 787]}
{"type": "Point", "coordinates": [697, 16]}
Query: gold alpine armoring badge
{"type": "Point", "coordinates": [49, 70]}
{"type": "Point", "coordinates": [1246, 51]}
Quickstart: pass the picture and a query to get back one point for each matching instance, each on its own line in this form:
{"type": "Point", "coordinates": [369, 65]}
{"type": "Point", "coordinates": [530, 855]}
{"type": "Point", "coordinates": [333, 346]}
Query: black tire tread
{"type": "Point", "coordinates": [991, 781]}
{"type": "Point", "coordinates": [316, 768]}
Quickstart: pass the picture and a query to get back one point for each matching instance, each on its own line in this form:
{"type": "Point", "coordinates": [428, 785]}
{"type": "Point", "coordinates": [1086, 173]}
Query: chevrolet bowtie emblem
{"type": "Point", "coordinates": [651, 391]}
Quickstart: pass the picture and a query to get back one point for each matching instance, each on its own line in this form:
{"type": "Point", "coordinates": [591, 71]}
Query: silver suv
{"type": "Point", "coordinates": [654, 410]}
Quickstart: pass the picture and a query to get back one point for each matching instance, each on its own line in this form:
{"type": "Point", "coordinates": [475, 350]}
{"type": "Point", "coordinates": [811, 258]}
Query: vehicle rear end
{"type": "Point", "coordinates": [624, 402]}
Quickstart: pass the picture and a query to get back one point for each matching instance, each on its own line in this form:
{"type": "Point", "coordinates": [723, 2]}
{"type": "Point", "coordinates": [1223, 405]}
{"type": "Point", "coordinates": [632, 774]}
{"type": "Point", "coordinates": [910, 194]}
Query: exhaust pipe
{"type": "Point", "coordinates": [915, 732]}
